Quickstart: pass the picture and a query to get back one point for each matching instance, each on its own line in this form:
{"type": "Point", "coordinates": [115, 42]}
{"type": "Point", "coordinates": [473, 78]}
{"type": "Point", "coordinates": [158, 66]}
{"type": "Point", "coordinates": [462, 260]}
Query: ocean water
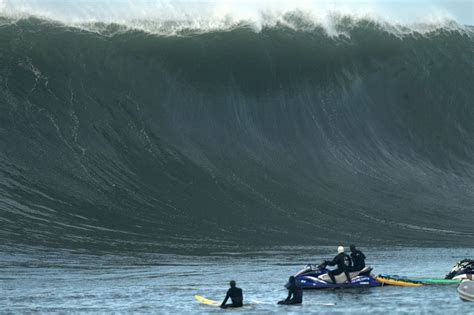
{"type": "Point", "coordinates": [145, 161]}
{"type": "Point", "coordinates": [66, 281]}
{"type": "Point", "coordinates": [111, 134]}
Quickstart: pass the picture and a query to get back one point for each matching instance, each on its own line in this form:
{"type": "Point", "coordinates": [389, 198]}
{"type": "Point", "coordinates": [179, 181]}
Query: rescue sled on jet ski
{"type": "Point", "coordinates": [316, 277]}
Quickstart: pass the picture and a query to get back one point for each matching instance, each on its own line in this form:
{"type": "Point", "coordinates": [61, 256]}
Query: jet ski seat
{"type": "Point", "coordinates": [365, 271]}
{"type": "Point", "coordinates": [341, 278]}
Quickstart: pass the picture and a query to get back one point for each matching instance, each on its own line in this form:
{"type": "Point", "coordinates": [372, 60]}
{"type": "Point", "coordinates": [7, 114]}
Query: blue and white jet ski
{"type": "Point", "coordinates": [316, 277]}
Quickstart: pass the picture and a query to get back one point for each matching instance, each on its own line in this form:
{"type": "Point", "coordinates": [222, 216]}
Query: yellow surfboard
{"type": "Point", "coordinates": [400, 283]}
{"type": "Point", "coordinates": [205, 301]}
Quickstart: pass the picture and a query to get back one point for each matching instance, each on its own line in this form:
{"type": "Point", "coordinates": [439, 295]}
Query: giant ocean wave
{"type": "Point", "coordinates": [112, 136]}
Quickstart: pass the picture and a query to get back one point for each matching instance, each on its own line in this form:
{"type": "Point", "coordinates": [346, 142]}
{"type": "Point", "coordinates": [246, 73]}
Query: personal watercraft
{"type": "Point", "coordinates": [463, 269]}
{"type": "Point", "coordinates": [316, 277]}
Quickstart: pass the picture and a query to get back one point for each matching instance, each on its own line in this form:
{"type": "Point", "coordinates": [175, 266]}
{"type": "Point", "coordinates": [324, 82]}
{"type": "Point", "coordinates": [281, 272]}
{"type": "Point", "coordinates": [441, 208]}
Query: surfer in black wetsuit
{"type": "Point", "coordinates": [342, 261]}
{"type": "Point", "coordinates": [235, 294]}
{"type": "Point", "coordinates": [295, 293]}
{"type": "Point", "coordinates": [358, 259]}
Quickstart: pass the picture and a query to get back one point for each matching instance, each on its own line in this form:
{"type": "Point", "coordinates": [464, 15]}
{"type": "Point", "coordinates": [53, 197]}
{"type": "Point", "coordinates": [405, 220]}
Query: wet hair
{"type": "Point", "coordinates": [232, 283]}
{"type": "Point", "coordinates": [353, 247]}
{"type": "Point", "coordinates": [292, 279]}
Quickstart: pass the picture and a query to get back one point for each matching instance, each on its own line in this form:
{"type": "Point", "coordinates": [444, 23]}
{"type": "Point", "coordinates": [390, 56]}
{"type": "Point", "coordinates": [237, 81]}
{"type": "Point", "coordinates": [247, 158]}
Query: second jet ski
{"type": "Point", "coordinates": [462, 270]}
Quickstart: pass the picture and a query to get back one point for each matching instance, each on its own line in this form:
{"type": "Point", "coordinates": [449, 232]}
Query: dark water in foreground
{"type": "Point", "coordinates": [155, 283]}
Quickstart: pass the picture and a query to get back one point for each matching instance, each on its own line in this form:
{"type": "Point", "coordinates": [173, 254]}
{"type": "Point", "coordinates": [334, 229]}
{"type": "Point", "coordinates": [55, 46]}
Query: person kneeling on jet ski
{"type": "Point", "coordinates": [358, 260]}
{"type": "Point", "coordinates": [295, 291]}
{"type": "Point", "coordinates": [235, 294]}
{"type": "Point", "coordinates": [343, 261]}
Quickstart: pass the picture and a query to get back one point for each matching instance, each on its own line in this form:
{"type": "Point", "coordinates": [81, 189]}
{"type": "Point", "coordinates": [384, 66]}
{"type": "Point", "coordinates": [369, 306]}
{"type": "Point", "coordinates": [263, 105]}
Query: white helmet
{"type": "Point", "coordinates": [340, 249]}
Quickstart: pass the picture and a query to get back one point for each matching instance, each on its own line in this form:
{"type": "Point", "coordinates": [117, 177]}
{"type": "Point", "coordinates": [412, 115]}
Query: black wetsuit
{"type": "Point", "coordinates": [358, 261]}
{"type": "Point", "coordinates": [296, 292]}
{"type": "Point", "coordinates": [235, 294]}
{"type": "Point", "coordinates": [343, 262]}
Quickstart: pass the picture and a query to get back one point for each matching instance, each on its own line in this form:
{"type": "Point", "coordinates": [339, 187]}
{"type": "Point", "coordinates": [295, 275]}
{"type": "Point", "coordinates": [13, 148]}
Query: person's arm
{"type": "Point", "coordinates": [291, 292]}
{"type": "Point", "coordinates": [226, 298]}
{"type": "Point", "coordinates": [332, 262]}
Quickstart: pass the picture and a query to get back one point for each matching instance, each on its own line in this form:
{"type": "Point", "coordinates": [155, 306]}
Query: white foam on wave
{"type": "Point", "coordinates": [167, 17]}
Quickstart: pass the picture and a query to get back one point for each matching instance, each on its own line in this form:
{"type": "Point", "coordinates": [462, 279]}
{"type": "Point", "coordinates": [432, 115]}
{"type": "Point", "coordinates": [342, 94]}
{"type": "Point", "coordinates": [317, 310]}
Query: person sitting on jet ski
{"type": "Point", "coordinates": [343, 261]}
{"type": "Point", "coordinates": [295, 291]}
{"type": "Point", "coordinates": [358, 260]}
{"type": "Point", "coordinates": [235, 294]}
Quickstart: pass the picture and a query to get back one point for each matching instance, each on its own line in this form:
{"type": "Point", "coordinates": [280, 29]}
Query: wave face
{"type": "Point", "coordinates": [235, 136]}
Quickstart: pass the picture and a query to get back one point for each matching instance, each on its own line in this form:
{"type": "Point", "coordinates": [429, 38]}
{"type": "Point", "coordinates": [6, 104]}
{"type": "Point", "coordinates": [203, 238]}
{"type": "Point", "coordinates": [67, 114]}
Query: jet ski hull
{"type": "Point", "coordinates": [313, 283]}
{"type": "Point", "coordinates": [466, 290]}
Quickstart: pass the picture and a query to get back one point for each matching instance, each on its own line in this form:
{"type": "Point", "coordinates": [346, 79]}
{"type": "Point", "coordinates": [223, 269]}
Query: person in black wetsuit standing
{"type": "Point", "coordinates": [342, 261]}
{"type": "Point", "coordinates": [358, 259]}
{"type": "Point", "coordinates": [235, 294]}
{"type": "Point", "coordinates": [295, 293]}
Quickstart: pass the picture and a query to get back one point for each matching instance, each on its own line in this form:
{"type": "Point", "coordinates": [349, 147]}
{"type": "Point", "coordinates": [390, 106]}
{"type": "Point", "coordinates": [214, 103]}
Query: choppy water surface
{"type": "Point", "coordinates": [70, 282]}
